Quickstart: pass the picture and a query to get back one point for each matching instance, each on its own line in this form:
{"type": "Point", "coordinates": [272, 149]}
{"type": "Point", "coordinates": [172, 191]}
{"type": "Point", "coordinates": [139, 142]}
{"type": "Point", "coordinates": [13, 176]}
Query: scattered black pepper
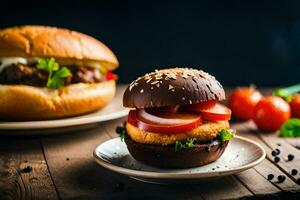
{"type": "Point", "coordinates": [278, 144]}
{"type": "Point", "coordinates": [27, 169]}
{"type": "Point", "coordinates": [281, 178]}
{"type": "Point", "coordinates": [213, 168]}
{"type": "Point", "coordinates": [270, 177]}
{"type": "Point", "coordinates": [276, 159]}
{"type": "Point", "coordinates": [26, 161]}
{"type": "Point", "coordinates": [120, 129]}
{"type": "Point", "coordinates": [294, 172]}
{"type": "Point", "coordinates": [67, 158]}
{"type": "Point", "coordinates": [291, 157]}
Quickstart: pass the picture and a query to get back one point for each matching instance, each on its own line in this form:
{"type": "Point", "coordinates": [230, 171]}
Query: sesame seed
{"type": "Point", "coordinates": [152, 88]}
{"type": "Point", "coordinates": [171, 87]}
{"type": "Point", "coordinates": [131, 86]}
{"type": "Point", "coordinates": [190, 102]}
{"type": "Point", "coordinates": [157, 85]}
{"type": "Point", "coordinates": [141, 91]}
{"type": "Point", "coordinates": [183, 98]}
{"type": "Point", "coordinates": [183, 88]}
{"type": "Point", "coordinates": [154, 82]}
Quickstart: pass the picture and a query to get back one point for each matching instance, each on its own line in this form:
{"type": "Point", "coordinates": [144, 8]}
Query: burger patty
{"type": "Point", "coordinates": [30, 75]}
{"type": "Point", "coordinates": [203, 133]}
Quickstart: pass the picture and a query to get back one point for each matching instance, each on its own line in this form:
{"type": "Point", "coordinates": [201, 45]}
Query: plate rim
{"type": "Point", "coordinates": [64, 122]}
{"type": "Point", "coordinates": [176, 175]}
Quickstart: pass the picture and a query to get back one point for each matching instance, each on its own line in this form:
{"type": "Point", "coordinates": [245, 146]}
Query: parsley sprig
{"type": "Point", "coordinates": [291, 128]}
{"type": "Point", "coordinates": [56, 75]}
{"type": "Point", "coordinates": [122, 135]}
{"type": "Point", "coordinates": [227, 134]}
{"type": "Point", "coordinates": [190, 142]}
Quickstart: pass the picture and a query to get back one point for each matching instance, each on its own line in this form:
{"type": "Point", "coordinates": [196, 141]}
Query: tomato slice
{"type": "Point", "coordinates": [111, 76]}
{"type": "Point", "coordinates": [217, 113]}
{"type": "Point", "coordinates": [199, 106]}
{"type": "Point", "coordinates": [165, 123]}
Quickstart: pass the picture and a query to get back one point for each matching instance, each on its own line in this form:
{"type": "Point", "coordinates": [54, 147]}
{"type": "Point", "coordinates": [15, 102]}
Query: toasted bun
{"type": "Point", "coordinates": [170, 87]}
{"type": "Point", "coordinates": [63, 44]}
{"type": "Point", "coordinates": [21, 102]}
{"type": "Point", "coordinates": [166, 157]}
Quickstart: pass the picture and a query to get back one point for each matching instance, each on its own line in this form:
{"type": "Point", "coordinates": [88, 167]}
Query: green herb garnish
{"type": "Point", "coordinates": [103, 70]}
{"type": "Point", "coordinates": [56, 75]}
{"type": "Point", "coordinates": [227, 135]}
{"type": "Point", "coordinates": [287, 92]}
{"type": "Point", "coordinates": [291, 128]}
{"type": "Point", "coordinates": [190, 142]}
{"type": "Point", "coordinates": [122, 135]}
{"type": "Point", "coordinates": [178, 146]}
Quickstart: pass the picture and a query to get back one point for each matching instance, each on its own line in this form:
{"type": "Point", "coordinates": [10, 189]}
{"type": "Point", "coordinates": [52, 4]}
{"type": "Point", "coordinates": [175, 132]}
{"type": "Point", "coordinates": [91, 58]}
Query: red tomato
{"type": "Point", "coordinates": [217, 113]}
{"type": "Point", "coordinates": [295, 106]}
{"type": "Point", "coordinates": [242, 102]}
{"type": "Point", "coordinates": [199, 106]}
{"type": "Point", "coordinates": [167, 124]}
{"type": "Point", "coordinates": [270, 113]}
{"type": "Point", "coordinates": [111, 76]}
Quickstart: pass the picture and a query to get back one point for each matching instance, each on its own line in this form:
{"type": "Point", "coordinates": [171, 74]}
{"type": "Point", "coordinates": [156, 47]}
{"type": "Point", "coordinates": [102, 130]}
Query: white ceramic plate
{"type": "Point", "coordinates": [241, 154]}
{"type": "Point", "coordinates": [113, 110]}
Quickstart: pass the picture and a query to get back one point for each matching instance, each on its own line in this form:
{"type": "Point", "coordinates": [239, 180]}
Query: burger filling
{"type": "Point", "coordinates": [48, 73]}
{"type": "Point", "coordinates": [182, 126]}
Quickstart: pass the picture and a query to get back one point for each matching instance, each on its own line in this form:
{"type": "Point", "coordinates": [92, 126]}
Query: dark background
{"type": "Point", "coordinates": [240, 42]}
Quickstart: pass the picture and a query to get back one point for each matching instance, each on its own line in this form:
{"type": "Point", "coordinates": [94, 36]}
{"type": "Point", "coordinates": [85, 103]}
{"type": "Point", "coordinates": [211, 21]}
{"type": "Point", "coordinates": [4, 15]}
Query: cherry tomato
{"type": "Point", "coordinates": [242, 102]}
{"type": "Point", "coordinates": [217, 113]}
{"type": "Point", "coordinates": [295, 106]}
{"type": "Point", "coordinates": [111, 76]}
{"type": "Point", "coordinates": [199, 106]}
{"type": "Point", "coordinates": [270, 113]}
{"type": "Point", "coordinates": [165, 124]}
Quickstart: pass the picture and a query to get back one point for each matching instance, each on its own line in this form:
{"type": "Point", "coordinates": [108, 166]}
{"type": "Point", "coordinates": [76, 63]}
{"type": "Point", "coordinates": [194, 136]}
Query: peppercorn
{"type": "Point", "coordinates": [294, 172]}
{"type": "Point", "coordinates": [120, 129]}
{"type": "Point", "coordinates": [291, 157]}
{"type": "Point", "coordinates": [276, 159]}
{"type": "Point", "coordinates": [270, 177]}
{"type": "Point", "coordinates": [281, 178]}
{"type": "Point", "coordinates": [277, 151]}
{"type": "Point", "coordinates": [274, 153]}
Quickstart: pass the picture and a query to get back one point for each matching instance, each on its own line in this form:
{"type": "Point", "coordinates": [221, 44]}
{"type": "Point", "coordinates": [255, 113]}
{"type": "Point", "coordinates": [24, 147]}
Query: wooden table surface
{"type": "Point", "coordinates": [62, 167]}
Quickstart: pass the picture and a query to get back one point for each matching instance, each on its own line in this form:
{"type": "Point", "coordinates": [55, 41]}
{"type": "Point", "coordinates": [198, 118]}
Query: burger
{"type": "Point", "coordinates": [48, 72]}
{"type": "Point", "coordinates": [175, 119]}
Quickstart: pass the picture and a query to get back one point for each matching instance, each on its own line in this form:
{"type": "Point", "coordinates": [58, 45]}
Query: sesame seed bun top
{"type": "Point", "coordinates": [171, 87]}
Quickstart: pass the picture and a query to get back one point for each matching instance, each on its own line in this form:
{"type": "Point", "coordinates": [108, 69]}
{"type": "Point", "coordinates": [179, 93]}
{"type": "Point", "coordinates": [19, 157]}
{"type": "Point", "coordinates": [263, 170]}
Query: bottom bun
{"type": "Point", "coordinates": [166, 157]}
{"type": "Point", "coordinates": [22, 102]}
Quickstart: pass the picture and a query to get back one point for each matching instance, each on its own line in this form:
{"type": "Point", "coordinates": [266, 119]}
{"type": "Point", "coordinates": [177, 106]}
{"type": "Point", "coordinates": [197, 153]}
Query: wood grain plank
{"type": "Point", "coordinates": [267, 166]}
{"type": "Point", "coordinates": [77, 175]}
{"type": "Point", "coordinates": [23, 170]}
{"type": "Point", "coordinates": [257, 183]}
{"type": "Point", "coordinates": [285, 149]}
